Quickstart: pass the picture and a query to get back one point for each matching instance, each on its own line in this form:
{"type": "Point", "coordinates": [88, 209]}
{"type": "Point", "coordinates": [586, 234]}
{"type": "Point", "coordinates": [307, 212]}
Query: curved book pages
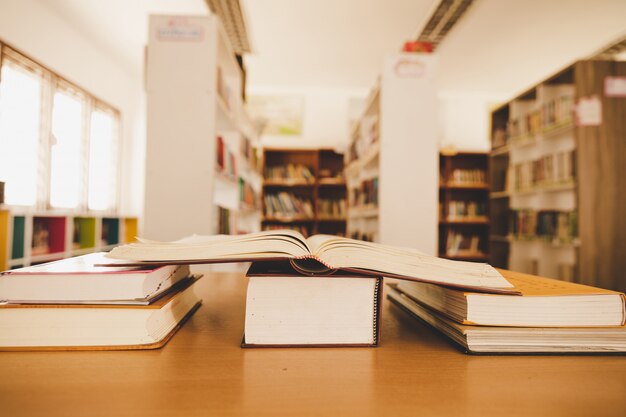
{"type": "Point", "coordinates": [317, 255]}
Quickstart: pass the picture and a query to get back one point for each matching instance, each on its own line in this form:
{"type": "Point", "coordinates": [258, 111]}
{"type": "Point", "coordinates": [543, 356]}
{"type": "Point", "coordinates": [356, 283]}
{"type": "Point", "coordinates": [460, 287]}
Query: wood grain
{"type": "Point", "coordinates": [203, 371]}
{"type": "Point", "coordinates": [601, 154]}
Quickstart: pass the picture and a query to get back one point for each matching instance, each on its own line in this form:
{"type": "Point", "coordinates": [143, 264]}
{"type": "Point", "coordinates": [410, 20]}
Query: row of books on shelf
{"type": "Point", "coordinates": [226, 159]}
{"type": "Point", "coordinates": [553, 169]}
{"type": "Point", "coordinates": [251, 154]}
{"type": "Point", "coordinates": [365, 194]}
{"type": "Point", "coordinates": [550, 225]}
{"type": "Point", "coordinates": [331, 208]}
{"type": "Point", "coordinates": [462, 244]}
{"type": "Point", "coordinates": [466, 209]}
{"type": "Point", "coordinates": [288, 205]}
{"type": "Point", "coordinates": [302, 229]}
{"type": "Point", "coordinates": [224, 219]}
{"type": "Point", "coordinates": [362, 235]}
{"type": "Point", "coordinates": [556, 112]}
{"type": "Point", "coordinates": [289, 172]}
{"type": "Point", "coordinates": [247, 195]}
{"type": "Point", "coordinates": [224, 90]}
{"type": "Point", "coordinates": [367, 133]}
{"type": "Point", "coordinates": [467, 176]}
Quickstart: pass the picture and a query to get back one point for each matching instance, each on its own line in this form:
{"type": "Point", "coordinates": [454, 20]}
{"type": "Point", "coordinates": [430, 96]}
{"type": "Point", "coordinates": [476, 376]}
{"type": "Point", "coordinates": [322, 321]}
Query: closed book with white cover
{"type": "Point", "coordinates": [77, 280]}
{"type": "Point", "coordinates": [97, 326]}
{"type": "Point", "coordinates": [543, 302]}
{"type": "Point", "coordinates": [312, 311]}
{"type": "Point", "coordinates": [517, 340]}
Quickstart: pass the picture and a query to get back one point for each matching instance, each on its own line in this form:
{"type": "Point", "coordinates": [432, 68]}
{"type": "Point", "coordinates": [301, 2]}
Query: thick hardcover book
{"type": "Point", "coordinates": [516, 340]}
{"type": "Point", "coordinates": [544, 302]}
{"type": "Point", "coordinates": [303, 311]}
{"type": "Point", "coordinates": [317, 255]}
{"type": "Point", "coordinates": [96, 327]}
{"type": "Point", "coordinates": [77, 280]}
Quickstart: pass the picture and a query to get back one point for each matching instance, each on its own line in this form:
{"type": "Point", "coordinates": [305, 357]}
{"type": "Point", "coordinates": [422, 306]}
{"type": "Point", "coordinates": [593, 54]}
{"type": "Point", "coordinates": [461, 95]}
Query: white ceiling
{"type": "Point", "coordinates": [505, 46]}
{"type": "Point", "coordinates": [500, 46]}
{"type": "Point", "coordinates": [120, 27]}
{"type": "Point", "coordinates": [327, 43]}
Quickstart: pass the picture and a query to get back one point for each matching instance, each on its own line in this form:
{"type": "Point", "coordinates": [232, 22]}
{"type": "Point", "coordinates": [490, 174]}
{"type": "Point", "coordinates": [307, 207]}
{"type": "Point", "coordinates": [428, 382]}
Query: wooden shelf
{"type": "Point", "coordinates": [333, 182]}
{"type": "Point", "coordinates": [555, 188]}
{"type": "Point", "coordinates": [466, 257]}
{"type": "Point", "coordinates": [500, 151]}
{"type": "Point", "coordinates": [326, 167]}
{"type": "Point", "coordinates": [463, 189]}
{"type": "Point", "coordinates": [471, 220]}
{"type": "Point", "coordinates": [294, 219]}
{"type": "Point", "coordinates": [65, 235]}
{"type": "Point", "coordinates": [363, 212]}
{"type": "Point", "coordinates": [499, 194]}
{"type": "Point", "coordinates": [287, 183]}
{"type": "Point", "coordinates": [498, 238]}
{"type": "Point", "coordinates": [589, 258]}
{"type": "Point", "coordinates": [570, 243]}
{"type": "Point", "coordinates": [461, 186]}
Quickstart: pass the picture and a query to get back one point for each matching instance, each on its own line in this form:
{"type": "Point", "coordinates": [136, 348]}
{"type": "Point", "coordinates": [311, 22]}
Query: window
{"type": "Point", "coordinates": [102, 177]}
{"type": "Point", "coordinates": [58, 144]}
{"type": "Point", "coordinates": [20, 113]}
{"type": "Point", "coordinates": [65, 151]}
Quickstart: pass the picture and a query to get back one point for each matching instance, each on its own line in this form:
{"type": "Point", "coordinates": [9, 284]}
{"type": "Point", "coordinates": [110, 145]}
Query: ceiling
{"type": "Point", "coordinates": [327, 43]}
{"type": "Point", "coordinates": [500, 46]}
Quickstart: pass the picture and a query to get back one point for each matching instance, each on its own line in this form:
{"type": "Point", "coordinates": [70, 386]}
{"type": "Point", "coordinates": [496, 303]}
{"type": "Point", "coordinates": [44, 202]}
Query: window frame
{"type": "Point", "coordinates": [52, 82]}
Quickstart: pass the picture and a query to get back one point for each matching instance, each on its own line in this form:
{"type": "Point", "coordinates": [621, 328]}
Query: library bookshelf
{"type": "Point", "coordinates": [203, 162]}
{"type": "Point", "coordinates": [463, 205]}
{"type": "Point", "coordinates": [304, 190]}
{"type": "Point", "coordinates": [395, 141]}
{"type": "Point", "coordinates": [31, 237]}
{"type": "Point", "coordinates": [556, 175]}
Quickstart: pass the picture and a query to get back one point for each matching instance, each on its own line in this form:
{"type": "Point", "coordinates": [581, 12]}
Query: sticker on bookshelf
{"type": "Point", "coordinates": [589, 111]}
{"type": "Point", "coordinates": [180, 29]}
{"type": "Point", "coordinates": [409, 67]}
{"type": "Point", "coordinates": [615, 86]}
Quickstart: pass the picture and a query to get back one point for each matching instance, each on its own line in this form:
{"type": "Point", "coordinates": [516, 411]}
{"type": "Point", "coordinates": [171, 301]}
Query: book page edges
{"type": "Point", "coordinates": [148, 346]}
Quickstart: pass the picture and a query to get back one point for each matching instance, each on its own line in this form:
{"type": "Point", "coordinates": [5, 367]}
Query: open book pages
{"type": "Point", "coordinates": [319, 254]}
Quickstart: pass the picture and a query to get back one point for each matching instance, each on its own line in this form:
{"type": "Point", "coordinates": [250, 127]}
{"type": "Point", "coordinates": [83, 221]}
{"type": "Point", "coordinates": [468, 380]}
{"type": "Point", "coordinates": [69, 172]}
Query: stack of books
{"type": "Point", "coordinates": [316, 291]}
{"type": "Point", "coordinates": [326, 290]}
{"type": "Point", "coordinates": [72, 304]}
{"type": "Point", "coordinates": [550, 316]}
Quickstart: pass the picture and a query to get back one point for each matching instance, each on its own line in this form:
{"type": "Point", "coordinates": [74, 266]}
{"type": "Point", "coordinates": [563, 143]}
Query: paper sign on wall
{"type": "Point", "coordinates": [589, 111]}
{"type": "Point", "coordinates": [615, 86]}
{"type": "Point", "coordinates": [180, 29]}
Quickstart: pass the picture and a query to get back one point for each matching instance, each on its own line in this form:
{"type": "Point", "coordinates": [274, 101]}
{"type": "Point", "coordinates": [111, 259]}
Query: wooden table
{"type": "Point", "coordinates": [203, 371]}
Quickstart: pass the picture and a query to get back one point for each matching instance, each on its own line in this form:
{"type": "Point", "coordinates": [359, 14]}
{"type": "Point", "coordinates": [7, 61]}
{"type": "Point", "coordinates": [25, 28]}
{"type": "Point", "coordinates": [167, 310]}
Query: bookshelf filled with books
{"type": "Point", "coordinates": [304, 190]}
{"type": "Point", "coordinates": [31, 237]}
{"type": "Point", "coordinates": [556, 163]}
{"type": "Point", "coordinates": [394, 141]}
{"type": "Point", "coordinates": [203, 160]}
{"type": "Point", "coordinates": [463, 206]}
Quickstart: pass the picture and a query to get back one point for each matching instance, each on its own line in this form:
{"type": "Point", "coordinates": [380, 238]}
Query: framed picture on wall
{"type": "Point", "coordinates": [277, 114]}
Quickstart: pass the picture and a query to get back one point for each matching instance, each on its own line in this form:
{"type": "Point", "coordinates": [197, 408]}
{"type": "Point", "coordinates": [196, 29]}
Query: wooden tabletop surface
{"type": "Point", "coordinates": [202, 371]}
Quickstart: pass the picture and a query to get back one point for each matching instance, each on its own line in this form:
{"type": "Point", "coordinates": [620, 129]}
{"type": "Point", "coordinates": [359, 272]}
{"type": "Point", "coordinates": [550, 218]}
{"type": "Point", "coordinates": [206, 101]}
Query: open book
{"type": "Point", "coordinates": [317, 255]}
